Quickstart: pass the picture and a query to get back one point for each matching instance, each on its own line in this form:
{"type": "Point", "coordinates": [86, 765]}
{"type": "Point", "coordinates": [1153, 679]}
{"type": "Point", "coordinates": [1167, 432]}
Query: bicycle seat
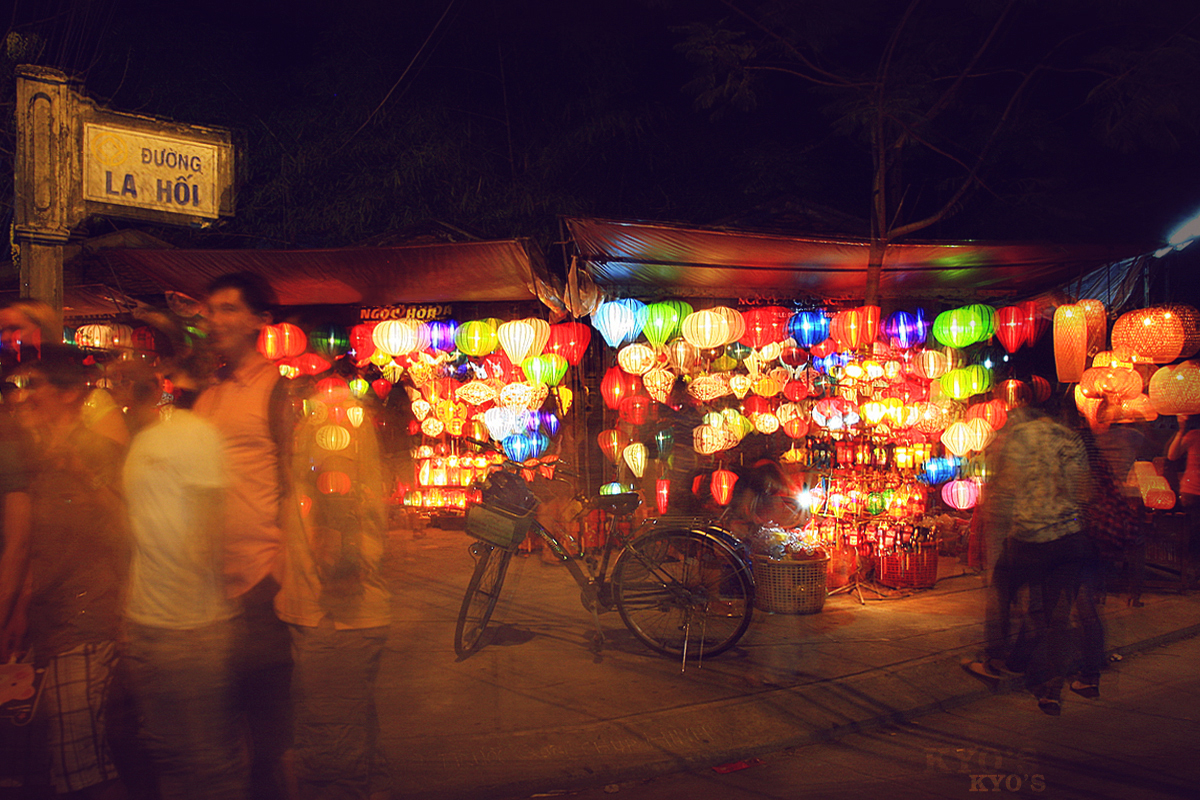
{"type": "Point", "coordinates": [619, 504]}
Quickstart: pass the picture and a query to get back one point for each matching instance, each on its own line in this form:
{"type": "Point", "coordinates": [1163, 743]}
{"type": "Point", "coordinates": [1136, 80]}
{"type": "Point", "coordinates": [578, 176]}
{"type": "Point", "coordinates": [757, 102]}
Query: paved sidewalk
{"type": "Point", "coordinates": [537, 710]}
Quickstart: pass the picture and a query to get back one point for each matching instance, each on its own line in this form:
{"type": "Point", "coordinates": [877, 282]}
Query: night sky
{"type": "Point", "coordinates": [364, 120]}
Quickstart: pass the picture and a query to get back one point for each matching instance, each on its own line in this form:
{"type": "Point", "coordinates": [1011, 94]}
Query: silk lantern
{"type": "Point", "coordinates": [961, 494]}
{"type": "Point", "coordinates": [764, 325]}
{"type": "Point", "coordinates": [723, 481]}
{"type": "Point", "coordinates": [334, 482]}
{"type": "Point", "coordinates": [635, 409]}
{"type": "Point", "coordinates": [611, 444]}
{"type": "Point", "coordinates": [809, 327]}
{"type": "Point", "coordinates": [958, 438]}
{"type": "Point", "coordinates": [662, 495]}
{"type": "Point", "coordinates": [735, 321]}
{"type": "Point", "coordinates": [905, 330]}
{"type": "Point", "coordinates": [1037, 321]}
{"type": "Point", "coordinates": [635, 458]}
{"type": "Point", "coordinates": [329, 341]}
{"type": "Point", "coordinates": [1011, 327]}
{"type": "Point", "coordinates": [1116, 383]}
{"type": "Point", "coordinates": [396, 336]}
{"type": "Point", "coordinates": [1070, 343]}
{"type": "Point", "coordinates": [570, 340]}
{"type": "Point", "coordinates": [705, 329]}
{"type": "Point", "coordinates": [663, 320]}
{"type": "Point", "coordinates": [659, 382]}
{"type": "Point", "coordinates": [636, 359]}
{"type": "Point", "coordinates": [682, 355]}
{"type": "Point", "coordinates": [617, 385]}
{"type": "Point", "coordinates": [516, 339]}
{"type": "Point", "coordinates": [476, 338]}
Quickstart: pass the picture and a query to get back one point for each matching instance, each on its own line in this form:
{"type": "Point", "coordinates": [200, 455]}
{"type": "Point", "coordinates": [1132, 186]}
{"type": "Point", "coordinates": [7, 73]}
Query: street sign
{"type": "Point", "coordinates": [130, 167]}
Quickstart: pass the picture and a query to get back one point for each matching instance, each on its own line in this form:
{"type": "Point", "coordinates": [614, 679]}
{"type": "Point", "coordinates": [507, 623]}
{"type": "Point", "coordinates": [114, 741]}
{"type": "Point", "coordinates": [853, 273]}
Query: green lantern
{"type": "Point", "coordinates": [663, 321]}
{"type": "Point", "coordinates": [329, 341]}
{"type": "Point", "coordinates": [737, 351]}
{"type": "Point", "coordinates": [536, 369]}
{"type": "Point", "coordinates": [956, 328]}
{"type": "Point", "coordinates": [723, 363]}
{"type": "Point", "coordinates": [665, 441]}
{"type": "Point", "coordinates": [876, 503]}
{"type": "Point", "coordinates": [477, 338]}
{"type": "Point", "coordinates": [359, 387]}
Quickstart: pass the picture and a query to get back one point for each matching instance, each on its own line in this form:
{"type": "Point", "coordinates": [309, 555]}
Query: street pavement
{"type": "Point", "coordinates": [538, 711]}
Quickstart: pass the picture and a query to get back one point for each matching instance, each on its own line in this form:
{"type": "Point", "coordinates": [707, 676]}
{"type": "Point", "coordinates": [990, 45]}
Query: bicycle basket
{"type": "Point", "coordinates": [508, 491]}
{"type": "Point", "coordinates": [498, 526]}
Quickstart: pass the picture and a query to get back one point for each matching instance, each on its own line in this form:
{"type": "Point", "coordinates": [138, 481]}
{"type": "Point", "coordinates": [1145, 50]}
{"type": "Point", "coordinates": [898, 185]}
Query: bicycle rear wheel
{"type": "Point", "coordinates": [480, 600]}
{"type": "Point", "coordinates": [683, 593]}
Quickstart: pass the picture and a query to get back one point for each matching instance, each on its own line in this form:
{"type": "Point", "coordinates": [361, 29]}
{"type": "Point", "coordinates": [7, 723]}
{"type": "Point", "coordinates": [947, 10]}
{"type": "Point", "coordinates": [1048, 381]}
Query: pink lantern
{"type": "Point", "coordinates": [960, 494]}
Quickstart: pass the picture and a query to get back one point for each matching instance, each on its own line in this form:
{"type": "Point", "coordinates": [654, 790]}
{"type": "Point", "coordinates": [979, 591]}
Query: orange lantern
{"type": "Point", "coordinates": [333, 483]}
{"type": "Point", "coordinates": [611, 444]}
{"type": "Point", "coordinates": [1115, 382]}
{"type": "Point", "coordinates": [1097, 324]}
{"type": "Point", "coordinates": [1015, 393]}
{"type": "Point", "coordinates": [723, 482]}
{"type": "Point", "coordinates": [1176, 389]}
{"type": "Point", "coordinates": [1070, 342]}
{"type": "Point", "coordinates": [1155, 335]}
{"type": "Point", "coordinates": [796, 428]}
{"type": "Point", "coordinates": [1189, 319]}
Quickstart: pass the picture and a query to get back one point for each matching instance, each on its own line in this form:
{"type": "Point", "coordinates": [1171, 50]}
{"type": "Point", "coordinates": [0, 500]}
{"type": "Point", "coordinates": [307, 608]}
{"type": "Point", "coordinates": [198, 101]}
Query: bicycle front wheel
{"type": "Point", "coordinates": [683, 593]}
{"type": "Point", "coordinates": [480, 600]}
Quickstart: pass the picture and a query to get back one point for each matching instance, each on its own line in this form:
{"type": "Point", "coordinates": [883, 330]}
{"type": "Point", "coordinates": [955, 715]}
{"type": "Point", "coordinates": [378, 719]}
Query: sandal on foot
{"type": "Point", "coordinates": [1050, 706]}
{"type": "Point", "coordinates": [1089, 690]}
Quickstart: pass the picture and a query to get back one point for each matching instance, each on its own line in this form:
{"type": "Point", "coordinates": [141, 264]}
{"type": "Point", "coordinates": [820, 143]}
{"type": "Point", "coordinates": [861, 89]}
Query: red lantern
{"type": "Point", "coordinates": [381, 387]}
{"type": "Point", "coordinates": [333, 483]}
{"type": "Point", "coordinates": [793, 356]}
{"type": "Point", "coordinates": [722, 486]}
{"type": "Point", "coordinates": [796, 428]}
{"type": "Point", "coordinates": [1012, 325]}
{"type": "Point", "coordinates": [611, 444]}
{"type": "Point", "coordinates": [1036, 322]}
{"type": "Point", "coordinates": [333, 389]}
{"type": "Point", "coordinates": [754, 404]}
{"type": "Point", "coordinates": [570, 340]}
{"type": "Point", "coordinates": [617, 385]}
{"type": "Point", "coordinates": [1041, 388]}
{"type": "Point", "coordinates": [662, 493]}
{"type": "Point", "coordinates": [764, 325]}
{"type": "Point", "coordinates": [822, 349]}
{"type": "Point", "coordinates": [361, 340]}
{"type": "Point", "coordinates": [284, 340]}
{"type": "Point", "coordinates": [312, 364]}
{"type": "Point", "coordinates": [795, 390]}
{"type": "Point", "coordinates": [635, 409]}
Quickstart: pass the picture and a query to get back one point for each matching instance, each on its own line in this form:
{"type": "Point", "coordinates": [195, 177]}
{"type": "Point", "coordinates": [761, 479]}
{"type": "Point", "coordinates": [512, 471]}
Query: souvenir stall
{"type": "Point", "coordinates": [880, 422]}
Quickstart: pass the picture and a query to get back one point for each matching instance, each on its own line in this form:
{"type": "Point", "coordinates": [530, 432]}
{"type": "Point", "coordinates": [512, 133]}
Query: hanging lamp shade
{"type": "Point", "coordinates": [442, 334]}
{"type": "Point", "coordinates": [1070, 343]}
{"type": "Point", "coordinates": [636, 359]}
{"type": "Point", "coordinates": [1011, 327]}
{"type": "Point", "coordinates": [958, 327]}
{"type": "Point", "coordinates": [311, 364]}
{"type": "Point", "coordinates": [905, 330]}
{"type": "Point", "coordinates": [570, 340]}
{"type": "Point", "coordinates": [476, 338]}
{"type": "Point", "coordinates": [284, 340]}
{"type": "Point", "coordinates": [1114, 382]}
{"type": "Point", "coordinates": [733, 318]}
{"type": "Point", "coordinates": [659, 382]}
{"type": "Point", "coordinates": [635, 458]}
{"type": "Point", "coordinates": [538, 369]}
{"type": "Point", "coordinates": [1015, 393]}
{"type": "Point", "coordinates": [396, 337]}
{"type": "Point", "coordinates": [361, 342]}
{"type": "Point", "coordinates": [809, 327]}
{"type": "Point", "coordinates": [705, 329]}
{"type": "Point", "coordinates": [1041, 388]}
{"type": "Point", "coordinates": [333, 389]}
{"type": "Point", "coordinates": [615, 321]}
{"type": "Point", "coordinates": [662, 495]}
{"type": "Point", "coordinates": [957, 438]}
{"type": "Point", "coordinates": [723, 481]}
{"type": "Point", "coordinates": [664, 441]}
{"type": "Point", "coordinates": [1155, 335]}
{"type": "Point", "coordinates": [611, 445]}
{"type": "Point", "coordinates": [329, 341]}
{"type": "Point", "coordinates": [1189, 320]}
{"type": "Point", "coordinates": [334, 482]}
{"type": "Point", "coordinates": [1037, 320]}
{"type": "Point", "coordinates": [982, 433]}
{"type": "Point", "coordinates": [961, 494]}
{"type": "Point", "coordinates": [663, 321]}
{"type": "Point", "coordinates": [931, 364]}
{"type": "Point", "coordinates": [1097, 324]}
{"type": "Point", "coordinates": [516, 339]}
{"type": "Point", "coordinates": [1175, 389]}
{"type": "Point", "coordinates": [764, 325]}
{"type": "Point", "coordinates": [855, 327]}
{"type": "Point", "coordinates": [617, 385]}
{"type": "Point", "coordinates": [382, 387]}
{"type": "Point", "coordinates": [682, 355]}
{"type": "Point", "coordinates": [796, 428]}
{"type": "Point", "coordinates": [635, 409]}
{"type": "Point", "coordinates": [332, 438]}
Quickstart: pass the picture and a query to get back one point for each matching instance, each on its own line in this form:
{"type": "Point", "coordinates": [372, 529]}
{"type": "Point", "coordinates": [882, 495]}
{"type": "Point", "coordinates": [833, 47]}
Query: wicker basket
{"type": "Point", "coordinates": [498, 526]}
{"type": "Point", "coordinates": [789, 587]}
{"type": "Point", "coordinates": [908, 570]}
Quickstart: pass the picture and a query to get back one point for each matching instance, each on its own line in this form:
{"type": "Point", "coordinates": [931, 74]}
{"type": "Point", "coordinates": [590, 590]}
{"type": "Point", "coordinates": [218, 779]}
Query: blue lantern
{"type": "Point", "coordinates": [518, 447]}
{"type": "Point", "coordinates": [905, 330]}
{"type": "Point", "coordinates": [809, 327]}
{"type": "Point", "coordinates": [737, 351]}
{"type": "Point", "coordinates": [441, 334]}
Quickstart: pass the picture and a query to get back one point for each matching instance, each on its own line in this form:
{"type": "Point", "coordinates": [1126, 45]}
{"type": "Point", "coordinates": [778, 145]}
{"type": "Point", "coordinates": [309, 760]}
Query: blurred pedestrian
{"type": "Point", "coordinates": [180, 625]}
{"type": "Point", "coordinates": [1036, 498]}
{"type": "Point", "coordinates": [77, 563]}
{"type": "Point", "coordinates": [249, 406]}
{"type": "Point", "coordinates": [335, 600]}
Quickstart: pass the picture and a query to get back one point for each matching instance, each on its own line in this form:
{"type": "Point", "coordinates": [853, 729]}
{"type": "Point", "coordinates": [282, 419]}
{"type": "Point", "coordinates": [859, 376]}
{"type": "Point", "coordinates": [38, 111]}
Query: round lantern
{"type": "Point", "coordinates": [954, 328]}
{"type": "Point", "coordinates": [1011, 327]}
{"type": "Point", "coordinates": [1114, 382]}
{"type": "Point", "coordinates": [809, 327]}
{"type": "Point", "coordinates": [635, 458]}
{"type": "Point", "coordinates": [615, 487]}
{"type": "Point", "coordinates": [1175, 389]}
{"type": "Point", "coordinates": [1189, 319]}
{"type": "Point", "coordinates": [329, 341]}
{"type": "Point", "coordinates": [682, 355]}
{"type": "Point", "coordinates": [961, 494]}
{"type": "Point", "coordinates": [361, 341]}
{"type": "Point", "coordinates": [958, 438]}
{"type": "Point", "coordinates": [570, 340]}
{"type": "Point", "coordinates": [764, 325]}
{"type": "Point", "coordinates": [931, 364]}
{"type": "Point", "coordinates": [611, 445]}
{"type": "Point", "coordinates": [1154, 335]}
{"type": "Point", "coordinates": [442, 334]}
{"type": "Point", "coordinates": [333, 389]}
{"type": "Point", "coordinates": [663, 320]}
{"type": "Point", "coordinates": [476, 338]}
{"type": "Point", "coordinates": [1041, 388]}
{"type": "Point", "coordinates": [311, 364]}
{"type": "Point", "coordinates": [396, 336]}
{"type": "Point", "coordinates": [1015, 393]}
{"type": "Point", "coordinates": [737, 325]}
{"type": "Point", "coordinates": [982, 434]}
{"type": "Point", "coordinates": [332, 437]}
{"type": "Point", "coordinates": [723, 481]}
{"type": "Point", "coordinates": [905, 330]}
{"type": "Point", "coordinates": [636, 359]}
{"type": "Point", "coordinates": [1070, 343]}
{"type": "Point", "coordinates": [617, 385]}
{"type": "Point", "coordinates": [635, 409]}
{"type": "Point", "coordinates": [705, 329]}
{"type": "Point", "coordinates": [855, 327]}
{"type": "Point", "coordinates": [333, 483]}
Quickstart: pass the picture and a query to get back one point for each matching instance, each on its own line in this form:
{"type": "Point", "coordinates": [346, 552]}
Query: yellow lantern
{"type": "Point", "coordinates": [958, 438]}
{"type": "Point", "coordinates": [356, 415]}
{"type": "Point", "coordinates": [635, 458]}
{"type": "Point", "coordinates": [333, 438]}
{"type": "Point", "coordinates": [636, 359]}
{"type": "Point", "coordinates": [516, 339]}
{"type": "Point", "coordinates": [705, 329]}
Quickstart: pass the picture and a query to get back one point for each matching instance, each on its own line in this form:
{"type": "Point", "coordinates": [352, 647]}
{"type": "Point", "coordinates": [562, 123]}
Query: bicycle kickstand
{"type": "Point", "coordinates": [599, 642]}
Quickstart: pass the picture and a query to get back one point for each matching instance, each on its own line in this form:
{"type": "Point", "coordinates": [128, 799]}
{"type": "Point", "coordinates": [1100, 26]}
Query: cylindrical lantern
{"type": "Point", "coordinates": [662, 494]}
{"type": "Point", "coordinates": [1070, 343]}
{"type": "Point", "coordinates": [1097, 324]}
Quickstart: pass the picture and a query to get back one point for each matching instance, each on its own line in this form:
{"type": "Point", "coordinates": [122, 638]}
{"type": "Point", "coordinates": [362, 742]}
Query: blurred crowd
{"type": "Point", "coordinates": [191, 603]}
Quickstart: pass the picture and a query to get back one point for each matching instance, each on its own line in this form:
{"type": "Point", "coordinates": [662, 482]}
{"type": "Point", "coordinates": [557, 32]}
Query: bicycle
{"type": "Point", "coordinates": [683, 592]}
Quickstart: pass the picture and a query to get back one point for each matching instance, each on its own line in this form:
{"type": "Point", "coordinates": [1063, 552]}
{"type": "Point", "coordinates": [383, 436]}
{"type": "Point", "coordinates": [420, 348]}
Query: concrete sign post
{"type": "Point", "coordinates": [75, 160]}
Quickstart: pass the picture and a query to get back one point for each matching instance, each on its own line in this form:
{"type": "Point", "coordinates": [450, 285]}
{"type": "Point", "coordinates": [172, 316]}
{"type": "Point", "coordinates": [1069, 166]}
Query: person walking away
{"type": "Point", "coordinates": [179, 624]}
{"type": "Point", "coordinates": [335, 600]}
{"type": "Point", "coordinates": [248, 405]}
{"type": "Point", "coordinates": [77, 561]}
